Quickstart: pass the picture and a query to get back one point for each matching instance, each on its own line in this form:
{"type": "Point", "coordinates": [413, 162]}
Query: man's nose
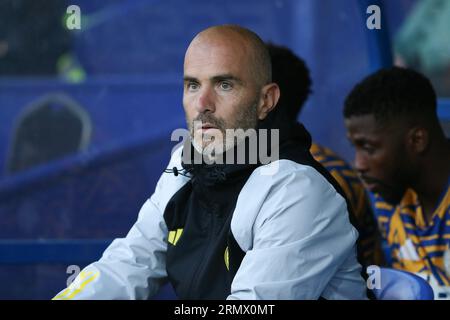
{"type": "Point", "coordinates": [361, 163]}
{"type": "Point", "coordinates": [206, 101]}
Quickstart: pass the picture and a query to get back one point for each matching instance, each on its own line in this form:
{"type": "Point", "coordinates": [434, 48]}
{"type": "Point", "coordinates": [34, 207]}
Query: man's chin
{"type": "Point", "coordinates": [209, 149]}
{"type": "Point", "coordinates": [388, 193]}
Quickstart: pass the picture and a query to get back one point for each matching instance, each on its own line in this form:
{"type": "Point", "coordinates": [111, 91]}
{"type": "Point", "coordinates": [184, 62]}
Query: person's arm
{"type": "Point", "coordinates": [298, 240]}
{"type": "Point", "coordinates": [130, 268]}
{"type": "Point", "coordinates": [133, 267]}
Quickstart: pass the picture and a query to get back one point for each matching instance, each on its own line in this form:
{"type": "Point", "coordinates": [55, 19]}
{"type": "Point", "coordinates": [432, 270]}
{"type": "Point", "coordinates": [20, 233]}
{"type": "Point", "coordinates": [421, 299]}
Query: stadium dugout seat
{"type": "Point", "coordinates": [50, 128]}
{"type": "Point", "coordinates": [402, 285]}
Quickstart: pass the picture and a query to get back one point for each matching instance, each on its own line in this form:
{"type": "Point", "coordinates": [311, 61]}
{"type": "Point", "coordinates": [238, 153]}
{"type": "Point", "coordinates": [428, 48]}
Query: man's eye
{"type": "Point", "coordinates": [224, 85]}
{"type": "Point", "coordinates": [192, 86]}
{"type": "Point", "coordinates": [369, 149]}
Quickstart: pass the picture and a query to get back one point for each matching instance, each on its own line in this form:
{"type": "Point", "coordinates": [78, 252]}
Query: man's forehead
{"type": "Point", "coordinates": [213, 67]}
{"type": "Point", "coordinates": [214, 59]}
{"type": "Point", "coordinates": [217, 34]}
{"type": "Point", "coordinates": [220, 47]}
{"type": "Point", "coordinates": [224, 41]}
{"type": "Point", "coordinates": [363, 126]}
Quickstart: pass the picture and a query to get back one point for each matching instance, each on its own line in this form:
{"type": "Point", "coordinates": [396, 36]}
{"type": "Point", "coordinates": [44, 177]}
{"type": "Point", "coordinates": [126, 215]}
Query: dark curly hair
{"type": "Point", "coordinates": [393, 93]}
{"type": "Point", "coordinates": [292, 76]}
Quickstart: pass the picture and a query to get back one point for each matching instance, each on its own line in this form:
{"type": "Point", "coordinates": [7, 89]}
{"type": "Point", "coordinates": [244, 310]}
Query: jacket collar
{"type": "Point", "coordinates": [291, 135]}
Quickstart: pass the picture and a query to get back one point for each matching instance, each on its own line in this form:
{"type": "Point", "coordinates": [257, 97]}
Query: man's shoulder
{"type": "Point", "coordinates": [175, 157]}
{"type": "Point", "coordinates": [294, 196]}
{"type": "Point", "coordinates": [170, 181]}
{"type": "Point", "coordinates": [288, 173]}
{"type": "Point", "coordinates": [281, 168]}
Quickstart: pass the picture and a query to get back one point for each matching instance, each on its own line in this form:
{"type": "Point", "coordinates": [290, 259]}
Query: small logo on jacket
{"type": "Point", "coordinates": [226, 257]}
{"type": "Point", "coordinates": [174, 236]}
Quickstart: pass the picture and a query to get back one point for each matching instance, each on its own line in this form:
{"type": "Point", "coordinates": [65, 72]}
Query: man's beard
{"type": "Point", "coordinates": [217, 143]}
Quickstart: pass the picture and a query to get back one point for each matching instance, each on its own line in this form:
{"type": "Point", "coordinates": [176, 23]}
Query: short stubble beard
{"type": "Point", "coordinates": [213, 145]}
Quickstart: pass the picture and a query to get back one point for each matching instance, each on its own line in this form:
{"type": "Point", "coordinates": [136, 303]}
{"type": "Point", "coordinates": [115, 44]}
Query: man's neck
{"type": "Point", "coordinates": [433, 179]}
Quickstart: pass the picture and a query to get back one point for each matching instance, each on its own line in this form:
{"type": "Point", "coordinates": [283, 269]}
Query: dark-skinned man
{"type": "Point", "coordinates": [403, 158]}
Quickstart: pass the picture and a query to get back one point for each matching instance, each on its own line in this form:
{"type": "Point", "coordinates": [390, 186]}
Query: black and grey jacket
{"type": "Point", "coordinates": [275, 231]}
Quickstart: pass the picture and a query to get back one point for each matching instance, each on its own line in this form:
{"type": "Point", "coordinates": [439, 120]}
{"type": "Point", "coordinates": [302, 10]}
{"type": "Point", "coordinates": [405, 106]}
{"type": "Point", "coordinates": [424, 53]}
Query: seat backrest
{"type": "Point", "coordinates": [402, 285]}
{"type": "Point", "coordinates": [50, 128]}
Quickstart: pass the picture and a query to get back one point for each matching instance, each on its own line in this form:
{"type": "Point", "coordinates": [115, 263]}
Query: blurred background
{"type": "Point", "coordinates": [86, 114]}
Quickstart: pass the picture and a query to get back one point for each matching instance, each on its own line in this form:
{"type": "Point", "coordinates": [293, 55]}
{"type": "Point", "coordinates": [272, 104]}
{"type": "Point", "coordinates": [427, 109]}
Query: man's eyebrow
{"type": "Point", "coordinates": [229, 77]}
{"type": "Point", "coordinates": [225, 77]}
{"type": "Point", "coordinates": [363, 140]}
{"type": "Point", "coordinates": [190, 79]}
{"type": "Point", "coordinates": [218, 78]}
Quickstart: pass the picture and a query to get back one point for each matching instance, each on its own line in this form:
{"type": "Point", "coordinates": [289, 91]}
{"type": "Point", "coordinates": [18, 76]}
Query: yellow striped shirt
{"type": "Point", "coordinates": [414, 245]}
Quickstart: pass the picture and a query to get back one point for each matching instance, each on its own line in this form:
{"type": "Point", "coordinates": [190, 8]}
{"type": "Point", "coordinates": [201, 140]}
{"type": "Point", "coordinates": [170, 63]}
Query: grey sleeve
{"type": "Point", "coordinates": [133, 267]}
{"type": "Point", "coordinates": [297, 238]}
{"type": "Point", "coordinates": [130, 268]}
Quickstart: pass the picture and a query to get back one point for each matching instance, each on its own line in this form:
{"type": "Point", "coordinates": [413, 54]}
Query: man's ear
{"type": "Point", "coordinates": [270, 94]}
{"type": "Point", "coordinates": [418, 139]}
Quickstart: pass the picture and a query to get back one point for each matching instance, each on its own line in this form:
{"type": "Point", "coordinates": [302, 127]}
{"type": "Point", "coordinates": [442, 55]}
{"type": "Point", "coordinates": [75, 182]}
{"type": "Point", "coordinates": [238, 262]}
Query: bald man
{"type": "Point", "coordinates": [274, 228]}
